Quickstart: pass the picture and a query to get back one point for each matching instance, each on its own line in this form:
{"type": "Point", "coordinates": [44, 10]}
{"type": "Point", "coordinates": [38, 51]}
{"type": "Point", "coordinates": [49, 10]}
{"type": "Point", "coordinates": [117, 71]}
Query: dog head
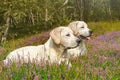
{"type": "Point", "coordinates": [80, 29]}
{"type": "Point", "coordinates": [64, 36]}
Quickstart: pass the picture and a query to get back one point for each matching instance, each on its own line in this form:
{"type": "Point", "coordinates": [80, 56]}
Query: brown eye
{"type": "Point", "coordinates": [82, 27]}
{"type": "Point", "coordinates": [68, 35]}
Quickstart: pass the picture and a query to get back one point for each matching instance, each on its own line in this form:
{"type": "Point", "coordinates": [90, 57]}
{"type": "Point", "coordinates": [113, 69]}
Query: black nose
{"type": "Point", "coordinates": [78, 41]}
{"type": "Point", "coordinates": [91, 31]}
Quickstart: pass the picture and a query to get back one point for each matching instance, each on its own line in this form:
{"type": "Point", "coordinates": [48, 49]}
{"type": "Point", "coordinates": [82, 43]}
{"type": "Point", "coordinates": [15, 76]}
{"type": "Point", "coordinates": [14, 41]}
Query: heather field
{"type": "Point", "coordinates": [102, 61]}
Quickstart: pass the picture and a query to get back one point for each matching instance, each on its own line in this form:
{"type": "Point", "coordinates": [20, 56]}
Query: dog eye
{"type": "Point", "coordinates": [68, 35]}
{"type": "Point", "coordinates": [82, 27]}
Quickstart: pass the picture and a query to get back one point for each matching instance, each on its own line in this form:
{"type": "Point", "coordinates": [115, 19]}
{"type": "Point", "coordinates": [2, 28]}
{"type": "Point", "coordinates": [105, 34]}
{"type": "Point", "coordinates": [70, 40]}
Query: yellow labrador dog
{"type": "Point", "coordinates": [53, 51]}
{"type": "Point", "coordinates": [81, 30]}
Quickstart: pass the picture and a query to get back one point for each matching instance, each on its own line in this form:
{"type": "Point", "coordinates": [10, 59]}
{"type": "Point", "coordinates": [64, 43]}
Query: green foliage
{"type": "Point", "coordinates": [47, 14]}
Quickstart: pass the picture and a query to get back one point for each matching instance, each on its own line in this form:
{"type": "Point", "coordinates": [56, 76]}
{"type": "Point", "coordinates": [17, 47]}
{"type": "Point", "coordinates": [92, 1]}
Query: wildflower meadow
{"type": "Point", "coordinates": [102, 61]}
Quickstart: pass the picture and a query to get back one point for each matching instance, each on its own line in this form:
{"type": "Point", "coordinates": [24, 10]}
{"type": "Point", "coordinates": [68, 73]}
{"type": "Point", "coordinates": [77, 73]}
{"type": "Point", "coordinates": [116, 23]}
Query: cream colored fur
{"type": "Point", "coordinates": [53, 51]}
{"type": "Point", "coordinates": [80, 28]}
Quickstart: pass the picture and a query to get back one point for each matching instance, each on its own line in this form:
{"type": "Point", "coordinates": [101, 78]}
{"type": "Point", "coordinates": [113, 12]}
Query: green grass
{"type": "Point", "coordinates": [100, 28]}
{"type": "Point", "coordinates": [88, 67]}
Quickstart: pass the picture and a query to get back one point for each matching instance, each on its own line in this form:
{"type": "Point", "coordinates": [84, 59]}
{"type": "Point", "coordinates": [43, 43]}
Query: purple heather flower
{"type": "Point", "coordinates": [109, 41]}
{"type": "Point", "coordinates": [38, 38]}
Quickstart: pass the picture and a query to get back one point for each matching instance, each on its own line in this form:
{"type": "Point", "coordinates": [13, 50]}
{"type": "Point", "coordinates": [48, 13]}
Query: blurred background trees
{"type": "Point", "coordinates": [25, 17]}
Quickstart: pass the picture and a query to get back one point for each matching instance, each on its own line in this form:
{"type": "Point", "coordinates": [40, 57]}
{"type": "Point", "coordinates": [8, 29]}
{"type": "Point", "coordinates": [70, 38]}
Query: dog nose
{"type": "Point", "coordinates": [91, 31]}
{"type": "Point", "coordinates": [78, 41]}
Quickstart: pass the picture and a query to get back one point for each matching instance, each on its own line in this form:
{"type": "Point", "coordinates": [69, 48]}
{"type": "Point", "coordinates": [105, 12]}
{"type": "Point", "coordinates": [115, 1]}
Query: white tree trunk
{"type": "Point", "coordinates": [81, 9]}
{"type": "Point", "coordinates": [109, 9]}
{"type": "Point", "coordinates": [7, 25]}
{"type": "Point", "coordinates": [32, 18]}
{"type": "Point", "coordinates": [46, 17]}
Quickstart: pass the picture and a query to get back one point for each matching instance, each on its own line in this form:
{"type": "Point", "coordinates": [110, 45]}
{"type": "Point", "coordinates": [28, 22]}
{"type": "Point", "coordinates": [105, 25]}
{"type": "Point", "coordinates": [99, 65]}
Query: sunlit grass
{"type": "Point", "coordinates": [104, 27]}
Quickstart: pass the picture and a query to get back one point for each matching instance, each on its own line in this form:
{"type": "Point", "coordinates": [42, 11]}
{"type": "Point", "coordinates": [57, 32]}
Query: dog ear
{"type": "Point", "coordinates": [56, 35]}
{"type": "Point", "coordinates": [73, 27]}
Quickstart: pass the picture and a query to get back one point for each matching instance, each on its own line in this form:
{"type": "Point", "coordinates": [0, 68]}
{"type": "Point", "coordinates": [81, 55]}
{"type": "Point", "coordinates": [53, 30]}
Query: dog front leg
{"type": "Point", "coordinates": [68, 63]}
